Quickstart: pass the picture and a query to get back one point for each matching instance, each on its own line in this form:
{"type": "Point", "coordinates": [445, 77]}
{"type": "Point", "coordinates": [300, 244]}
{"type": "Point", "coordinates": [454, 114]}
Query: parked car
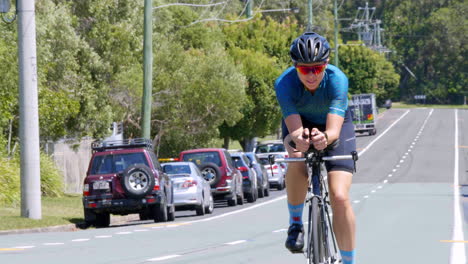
{"type": "Point", "coordinates": [191, 190]}
{"type": "Point", "coordinates": [249, 176]}
{"type": "Point", "coordinates": [125, 177]}
{"type": "Point", "coordinates": [227, 181]}
{"type": "Point", "coordinates": [262, 175]}
{"type": "Point", "coordinates": [276, 175]}
{"type": "Point", "coordinates": [271, 147]}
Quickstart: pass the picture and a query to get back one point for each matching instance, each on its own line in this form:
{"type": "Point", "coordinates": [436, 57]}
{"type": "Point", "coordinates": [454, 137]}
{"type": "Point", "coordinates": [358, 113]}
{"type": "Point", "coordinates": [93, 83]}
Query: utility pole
{"type": "Point", "coordinates": [249, 8]}
{"type": "Point", "coordinates": [147, 71]}
{"type": "Point", "coordinates": [336, 33]}
{"type": "Point", "coordinates": [309, 23]}
{"type": "Point", "coordinates": [29, 111]}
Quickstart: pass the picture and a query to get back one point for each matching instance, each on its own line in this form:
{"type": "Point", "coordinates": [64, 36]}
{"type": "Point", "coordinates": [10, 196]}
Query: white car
{"type": "Point", "coordinates": [276, 172]}
{"type": "Point", "coordinates": [191, 190]}
{"type": "Point", "coordinates": [271, 147]}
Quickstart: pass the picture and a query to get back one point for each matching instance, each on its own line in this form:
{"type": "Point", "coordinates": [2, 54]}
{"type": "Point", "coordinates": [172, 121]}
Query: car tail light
{"type": "Point", "coordinates": [156, 184]}
{"type": "Point", "coordinates": [189, 183]}
{"type": "Point", "coordinates": [86, 190]}
{"type": "Point", "coordinates": [282, 166]}
{"type": "Point", "coordinates": [92, 205]}
{"type": "Point", "coordinates": [243, 169]}
{"type": "Point", "coordinates": [245, 177]}
{"type": "Point", "coordinates": [286, 156]}
{"type": "Point", "coordinates": [275, 167]}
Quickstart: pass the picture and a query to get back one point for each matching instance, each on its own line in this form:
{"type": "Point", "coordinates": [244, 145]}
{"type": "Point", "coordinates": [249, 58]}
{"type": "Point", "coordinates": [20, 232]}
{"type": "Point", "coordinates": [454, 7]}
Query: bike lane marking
{"type": "Point", "coordinates": [458, 255]}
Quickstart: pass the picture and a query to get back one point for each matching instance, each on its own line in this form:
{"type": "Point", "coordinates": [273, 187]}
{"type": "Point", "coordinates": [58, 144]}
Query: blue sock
{"type": "Point", "coordinates": [295, 213]}
{"type": "Point", "coordinates": [348, 256]}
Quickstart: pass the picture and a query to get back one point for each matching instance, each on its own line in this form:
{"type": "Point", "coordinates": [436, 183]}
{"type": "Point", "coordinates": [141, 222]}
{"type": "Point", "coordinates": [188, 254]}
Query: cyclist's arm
{"type": "Point", "coordinates": [333, 128]}
{"type": "Point", "coordinates": [296, 131]}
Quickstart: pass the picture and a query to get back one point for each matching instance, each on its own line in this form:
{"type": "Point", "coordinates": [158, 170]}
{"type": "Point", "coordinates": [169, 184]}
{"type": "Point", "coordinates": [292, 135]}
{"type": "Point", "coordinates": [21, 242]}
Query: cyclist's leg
{"type": "Point", "coordinates": [296, 189]}
{"type": "Point", "coordinates": [339, 179]}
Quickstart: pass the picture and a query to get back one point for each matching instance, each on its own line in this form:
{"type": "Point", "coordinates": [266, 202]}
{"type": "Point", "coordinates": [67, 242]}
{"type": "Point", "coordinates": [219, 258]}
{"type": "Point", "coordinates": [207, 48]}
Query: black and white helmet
{"type": "Point", "coordinates": [310, 47]}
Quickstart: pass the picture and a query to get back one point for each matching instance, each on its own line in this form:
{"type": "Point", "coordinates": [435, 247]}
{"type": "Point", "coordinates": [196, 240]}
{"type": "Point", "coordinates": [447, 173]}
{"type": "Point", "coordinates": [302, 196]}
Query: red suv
{"type": "Point", "coordinates": [125, 177]}
{"type": "Point", "coordinates": [217, 167]}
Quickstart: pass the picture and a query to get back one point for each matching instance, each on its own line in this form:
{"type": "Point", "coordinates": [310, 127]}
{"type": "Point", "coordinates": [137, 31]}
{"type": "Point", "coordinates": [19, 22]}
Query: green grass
{"type": "Point", "coordinates": [55, 211]}
{"type": "Point", "coordinates": [403, 105]}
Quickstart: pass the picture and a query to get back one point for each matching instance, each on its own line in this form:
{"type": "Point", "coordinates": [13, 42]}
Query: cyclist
{"type": "Point", "coordinates": [313, 96]}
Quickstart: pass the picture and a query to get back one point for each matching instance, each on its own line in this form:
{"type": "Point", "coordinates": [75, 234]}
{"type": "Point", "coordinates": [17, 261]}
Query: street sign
{"type": "Point", "coordinates": [420, 97]}
{"type": "Point", "coordinates": [4, 6]}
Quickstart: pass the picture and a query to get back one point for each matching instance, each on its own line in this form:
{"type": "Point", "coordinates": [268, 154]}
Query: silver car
{"type": "Point", "coordinates": [191, 190]}
{"type": "Point", "coordinates": [276, 172]}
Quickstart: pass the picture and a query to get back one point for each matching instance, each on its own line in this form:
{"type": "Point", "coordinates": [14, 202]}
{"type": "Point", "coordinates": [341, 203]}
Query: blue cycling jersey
{"type": "Point", "coordinates": [331, 97]}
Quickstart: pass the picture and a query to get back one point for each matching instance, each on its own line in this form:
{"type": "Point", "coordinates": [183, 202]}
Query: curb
{"type": "Point", "coordinates": [115, 220]}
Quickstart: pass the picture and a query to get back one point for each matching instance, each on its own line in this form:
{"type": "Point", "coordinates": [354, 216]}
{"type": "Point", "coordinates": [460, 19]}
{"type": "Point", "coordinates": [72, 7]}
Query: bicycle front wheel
{"type": "Point", "coordinates": [315, 246]}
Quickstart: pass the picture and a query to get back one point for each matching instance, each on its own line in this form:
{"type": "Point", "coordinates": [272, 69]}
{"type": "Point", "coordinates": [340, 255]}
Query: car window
{"type": "Point", "coordinates": [203, 157]}
{"type": "Point", "coordinates": [246, 160]}
{"type": "Point", "coordinates": [229, 159]}
{"type": "Point", "coordinates": [114, 163]}
{"type": "Point", "coordinates": [264, 161]}
{"type": "Point", "coordinates": [277, 147]}
{"type": "Point", "coordinates": [177, 169]}
{"type": "Point", "coordinates": [238, 161]}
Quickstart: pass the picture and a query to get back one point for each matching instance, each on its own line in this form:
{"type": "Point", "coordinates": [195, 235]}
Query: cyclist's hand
{"type": "Point", "coordinates": [301, 138]}
{"type": "Point", "coordinates": [318, 139]}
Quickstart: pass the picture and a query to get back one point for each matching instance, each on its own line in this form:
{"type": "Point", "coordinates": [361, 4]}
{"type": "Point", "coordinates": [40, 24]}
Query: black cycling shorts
{"type": "Point", "coordinates": [346, 146]}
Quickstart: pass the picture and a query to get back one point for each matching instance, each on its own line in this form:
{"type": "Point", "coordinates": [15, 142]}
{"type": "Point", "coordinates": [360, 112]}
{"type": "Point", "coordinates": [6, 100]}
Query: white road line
{"type": "Point", "coordinates": [140, 230]}
{"type": "Point", "coordinates": [357, 201]}
{"type": "Point", "coordinates": [280, 230]}
{"type": "Point", "coordinates": [80, 240]}
{"type": "Point", "coordinates": [235, 242]}
{"type": "Point", "coordinates": [102, 236]}
{"type": "Point", "coordinates": [385, 181]}
{"type": "Point", "coordinates": [390, 175]}
{"type": "Point", "coordinates": [163, 258]}
{"type": "Point", "coordinates": [457, 255]}
{"type": "Point", "coordinates": [123, 233]}
{"type": "Point", "coordinates": [25, 247]}
{"type": "Point", "coordinates": [366, 196]}
{"type": "Point", "coordinates": [238, 211]}
{"type": "Point", "coordinates": [53, 244]}
{"type": "Point", "coordinates": [383, 133]}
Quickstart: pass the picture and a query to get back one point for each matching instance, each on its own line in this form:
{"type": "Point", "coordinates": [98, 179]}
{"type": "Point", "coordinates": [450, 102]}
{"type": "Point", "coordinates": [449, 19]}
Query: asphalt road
{"type": "Point", "coordinates": [409, 209]}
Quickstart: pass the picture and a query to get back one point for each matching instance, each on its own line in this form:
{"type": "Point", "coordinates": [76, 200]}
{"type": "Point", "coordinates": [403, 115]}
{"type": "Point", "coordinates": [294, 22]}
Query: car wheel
{"type": "Point", "coordinates": [209, 209]}
{"type": "Point", "coordinates": [160, 210]}
{"type": "Point", "coordinates": [89, 217]}
{"type": "Point", "coordinates": [280, 186]}
{"type": "Point", "coordinates": [261, 192]}
{"type": "Point", "coordinates": [200, 209]}
{"type": "Point", "coordinates": [232, 201]}
{"type": "Point", "coordinates": [171, 213]}
{"type": "Point", "coordinates": [267, 192]}
{"type": "Point", "coordinates": [102, 220]}
{"type": "Point", "coordinates": [240, 199]}
{"type": "Point", "coordinates": [137, 181]}
{"type": "Point", "coordinates": [143, 215]}
{"type": "Point", "coordinates": [212, 169]}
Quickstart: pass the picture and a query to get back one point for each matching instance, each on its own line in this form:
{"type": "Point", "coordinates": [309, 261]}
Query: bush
{"type": "Point", "coordinates": [10, 180]}
{"type": "Point", "coordinates": [51, 178]}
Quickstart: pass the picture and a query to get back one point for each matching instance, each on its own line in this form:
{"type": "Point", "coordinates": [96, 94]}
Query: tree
{"type": "Point", "coordinates": [368, 72]}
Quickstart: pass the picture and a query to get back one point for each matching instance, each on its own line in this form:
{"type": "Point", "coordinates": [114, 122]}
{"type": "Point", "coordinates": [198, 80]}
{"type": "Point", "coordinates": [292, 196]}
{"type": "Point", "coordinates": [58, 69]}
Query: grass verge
{"type": "Point", "coordinates": [55, 211]}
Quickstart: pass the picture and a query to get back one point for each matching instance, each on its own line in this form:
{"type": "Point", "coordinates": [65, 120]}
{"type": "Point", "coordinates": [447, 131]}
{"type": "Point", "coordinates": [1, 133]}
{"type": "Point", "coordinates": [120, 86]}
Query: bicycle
{"type": "Point", "coordinates": [321, 247]}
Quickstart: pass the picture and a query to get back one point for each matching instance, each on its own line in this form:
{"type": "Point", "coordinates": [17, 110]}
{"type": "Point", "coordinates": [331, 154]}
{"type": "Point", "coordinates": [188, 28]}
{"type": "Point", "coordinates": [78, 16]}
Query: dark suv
{"type": "Point", "coordinates": [125, 177]}
{"type": "Point", "coordinates": [217, 167]}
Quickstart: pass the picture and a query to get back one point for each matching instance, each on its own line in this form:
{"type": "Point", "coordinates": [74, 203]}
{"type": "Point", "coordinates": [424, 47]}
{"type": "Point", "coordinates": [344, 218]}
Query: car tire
{"type": "Point", "coordinates": [240, 199]}
{"type": "Point", "coordinates": [267, 191]}
{"type": "Point", "coordinates": [232, 201]}
{"type": "Point", "coordinates": [280, 186]}
{"type": "Point", "coordinates": [89, 217]}
{"type": "Point", "coordinates": [102, 220]}
{"type": "Point", "coordinates": [200, 209]}
{"type": "Point", "coordinates": [171, 213]}
{"type": "Point", "coordinates": [211, 167]}
{"type": "Point", "coordinates": [261, 192]}
{"type": "Point", "coordinates": [143, 215]}
{"type": "Point", "coordinates": [209, 209]}
{"type": "Point", "coordinates": [160, 211]}
{"type": "Point", "coordinates": [137, 181]}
